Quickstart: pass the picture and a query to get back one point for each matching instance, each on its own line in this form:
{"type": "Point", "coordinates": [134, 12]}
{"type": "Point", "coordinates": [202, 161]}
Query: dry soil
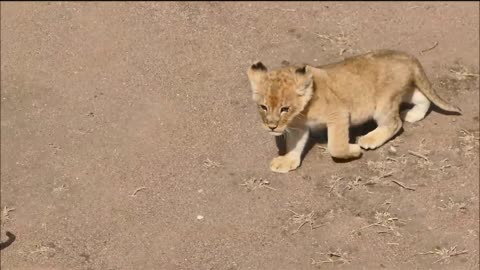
{"type": "Point", "coordinates": [129, 140]}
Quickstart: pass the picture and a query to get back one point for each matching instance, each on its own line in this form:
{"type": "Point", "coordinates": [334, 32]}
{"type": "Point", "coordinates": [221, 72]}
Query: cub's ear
{"type": "Point", "coordinates": [304, 79]}
{"type": "Point", "coordinates": [259, 66]}
{"type": "Point", "coordinates": [256, 73]}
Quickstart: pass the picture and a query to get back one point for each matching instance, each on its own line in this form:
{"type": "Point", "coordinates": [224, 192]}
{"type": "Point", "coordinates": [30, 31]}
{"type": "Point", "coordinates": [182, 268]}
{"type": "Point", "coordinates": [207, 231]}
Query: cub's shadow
{"type": "Point", "coordinates": [320, 137]}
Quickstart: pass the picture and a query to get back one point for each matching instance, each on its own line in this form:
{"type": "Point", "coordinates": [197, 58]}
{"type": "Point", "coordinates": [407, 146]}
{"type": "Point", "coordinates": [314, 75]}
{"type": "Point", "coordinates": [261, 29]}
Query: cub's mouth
{"type": "Point", "coordinates": [275, 133]}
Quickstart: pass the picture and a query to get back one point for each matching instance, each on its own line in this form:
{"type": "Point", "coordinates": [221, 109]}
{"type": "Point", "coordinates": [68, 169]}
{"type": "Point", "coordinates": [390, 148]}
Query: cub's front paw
{"type": "Point", "coordinates": [284, 164]}
{"type": "Point", "coordinates": [355, 150]}
{"type": "Point", "coordinates": [369, 142]}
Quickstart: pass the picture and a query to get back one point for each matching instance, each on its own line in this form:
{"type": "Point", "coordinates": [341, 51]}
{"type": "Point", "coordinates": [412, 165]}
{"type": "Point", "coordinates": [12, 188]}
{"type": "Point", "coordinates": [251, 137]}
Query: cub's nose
{"type": "Point", "coordinates": [272, 126]}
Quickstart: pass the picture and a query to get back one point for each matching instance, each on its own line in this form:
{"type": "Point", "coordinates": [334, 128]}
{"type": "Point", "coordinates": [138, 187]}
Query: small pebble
{"type": "Point", "coordinates": [392, 150]}
{"type": "Point", "coordinates": [199, 217]}
{"type": "Point", "coordinates": [200, 191]}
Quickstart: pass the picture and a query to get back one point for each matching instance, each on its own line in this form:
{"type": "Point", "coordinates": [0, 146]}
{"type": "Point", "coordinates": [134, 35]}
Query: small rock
{"type": "Point", "coordinates": [200, 217]}
{"type": "Point", "coordinates": [392, 150]}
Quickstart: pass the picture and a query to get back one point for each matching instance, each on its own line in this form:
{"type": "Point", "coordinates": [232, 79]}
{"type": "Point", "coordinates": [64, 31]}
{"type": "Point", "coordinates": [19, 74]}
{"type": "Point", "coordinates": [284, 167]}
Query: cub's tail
{"type": "Point", "coordinates": [424, 85]}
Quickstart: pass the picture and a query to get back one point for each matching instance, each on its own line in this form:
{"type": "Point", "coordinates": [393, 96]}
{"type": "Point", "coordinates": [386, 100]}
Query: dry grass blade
{"type": "Point", "coordinates": [134, 194]}
{"type": "Point", "coordinates": [367, 226]}
{"type": "Point", "coordinates": [43, 249]}
{"type": "Point", "coordinates": [385, 175]}
{"type": "Point", "coordinates": [413, 153]}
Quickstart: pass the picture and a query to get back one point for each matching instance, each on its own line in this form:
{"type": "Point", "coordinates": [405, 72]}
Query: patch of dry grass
{"type": "Point", "coordinates": [452, 205]}
{"type": "Point", "coordinates": [334, 186]}
{"type": "Point", "coordinates": [461, 73]}
{"type": "Point", "coordinates": [357, 184]}
{"type": "Point", "coordinates": [5, 213]}
{"type": "Point", "coordinates": [383, 168]}
{"type": "Point", "coordinates": [303, 219]}
{"type": "Point", "coordinates": [256, 183]}
{"type": "Point", "coordinates": [421, 153]}
{"type": "Point", "coordinates": [342, 41]}
{"type": "Point", "coordinates": [384, 220]}
{"type": "Point", "coordinates": [209, 164]}
{"type": "Point", "coordinates": [445, 253]}
{"type": "Point", "coordinates": [333, 257]}
{"type": "Point", "coordinates": [60, 189]}
{"type": "Point", "coordinates": [469, 141]}
{"type": "Point", "coordinates": [43, 249]}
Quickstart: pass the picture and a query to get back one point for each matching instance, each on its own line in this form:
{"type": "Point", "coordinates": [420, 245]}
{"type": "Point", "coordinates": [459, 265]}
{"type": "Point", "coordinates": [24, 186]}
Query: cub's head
{"type": "Point", "coordinates": [281, 95]}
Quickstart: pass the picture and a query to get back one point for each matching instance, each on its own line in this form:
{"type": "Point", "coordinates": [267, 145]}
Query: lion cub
{"type": "Point", "coordinates": [293, 99]}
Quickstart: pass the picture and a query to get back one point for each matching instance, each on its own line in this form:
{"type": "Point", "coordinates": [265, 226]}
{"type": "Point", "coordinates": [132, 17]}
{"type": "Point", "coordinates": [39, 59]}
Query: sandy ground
{"type": "Point", "coordinates": [101, 99]}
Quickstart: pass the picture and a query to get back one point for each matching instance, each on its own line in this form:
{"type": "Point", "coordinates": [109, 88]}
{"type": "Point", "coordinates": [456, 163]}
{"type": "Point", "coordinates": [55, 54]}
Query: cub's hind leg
{"type": "Point", "coordinates": [421, 104]}
{"type": "Point", "coordinates": [389, 123]}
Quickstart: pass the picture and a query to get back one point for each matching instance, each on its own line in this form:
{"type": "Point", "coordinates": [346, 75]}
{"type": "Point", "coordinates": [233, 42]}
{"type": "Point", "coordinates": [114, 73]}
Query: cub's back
{"type": "Point", "coordinates": [377, 68]}
{"type": "Point", "coordinates": [363, 61]}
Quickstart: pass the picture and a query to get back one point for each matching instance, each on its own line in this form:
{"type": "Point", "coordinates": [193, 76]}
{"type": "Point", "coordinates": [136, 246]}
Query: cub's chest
{"type": "Point", "coordinates": [316, 124]}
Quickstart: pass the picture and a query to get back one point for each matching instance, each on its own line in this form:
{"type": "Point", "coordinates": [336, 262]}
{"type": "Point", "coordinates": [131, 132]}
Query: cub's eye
{"type": "Point", "coordinates": [284, 109]}
{"type": "Point", "coordinates": [263, 107]}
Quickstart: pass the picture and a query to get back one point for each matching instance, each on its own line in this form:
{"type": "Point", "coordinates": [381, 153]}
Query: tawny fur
{"type": "Point", "coordinates": [293, 99]}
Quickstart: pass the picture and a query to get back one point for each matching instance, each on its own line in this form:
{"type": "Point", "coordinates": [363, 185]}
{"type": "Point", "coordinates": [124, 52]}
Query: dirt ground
{"type": "Point", "coordinates": [129, 140]}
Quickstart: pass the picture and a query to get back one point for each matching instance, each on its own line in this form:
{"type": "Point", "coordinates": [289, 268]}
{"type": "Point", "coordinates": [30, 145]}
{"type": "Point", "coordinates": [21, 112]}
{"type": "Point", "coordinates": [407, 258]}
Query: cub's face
{"type": "Point", "coordinates": [280, 95]}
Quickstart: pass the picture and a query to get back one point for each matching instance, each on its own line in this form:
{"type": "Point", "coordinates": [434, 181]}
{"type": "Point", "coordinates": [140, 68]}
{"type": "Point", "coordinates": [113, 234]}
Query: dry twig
{"type": "Point", "coordinates": [402, 185]}
{"type": "Point", "coordinates": [431, 48]}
